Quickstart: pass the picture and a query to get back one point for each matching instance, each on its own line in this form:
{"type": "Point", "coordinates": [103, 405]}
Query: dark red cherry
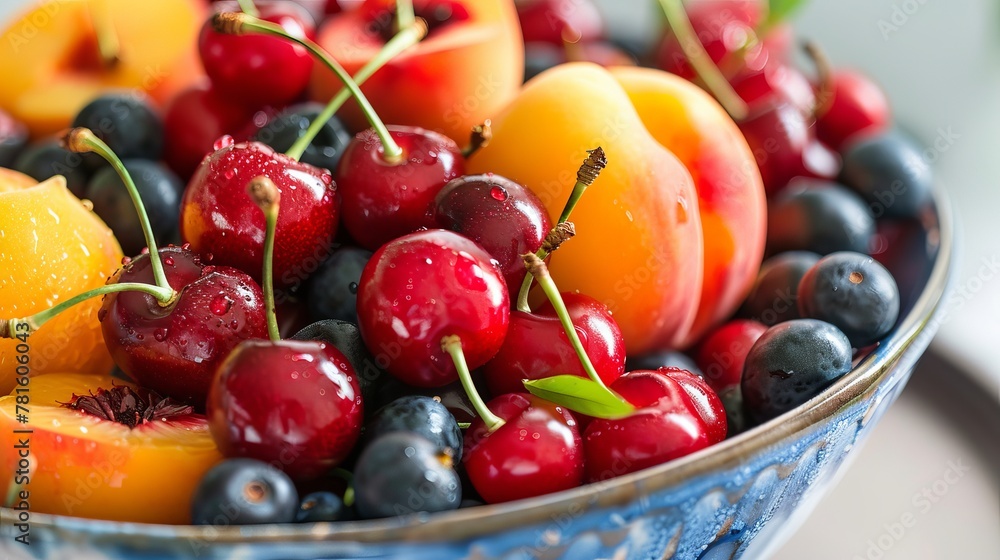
{"type": "Point", "coordinates": [775, 83]}
{"type": "Point", "coordinates": [175, 350]}
{"type": "Point", "coordinates": [857, 108]}
{"type": "Point", "coordinates": [538, 450]}
{"type": "Point", "coordinates": [555, 21]}
{"type": "Point", "coordinates": [677, 414]}
{"type": "Point", "coordinates": [722, 353]}
{"type": "Point", "coordinates": [255, 69]}
{"type": "Point", "coordinates": [501, 215]}
{"type": "Point", "coordinates": [536, 345]}
{"type": "Point", "coordinates": [383, 201]}
{"type": "Point", "coordinates": [218, 217]}
{"type": "Point", "coordinates": [422, 287]}
{"type": "Point", "coordinates": [192, 124]}
{"type": "Point", "coordinates": [785, 146]}
{"type": "Point", "coordinates": [293, 404]}
{"type": "Point", "coordinates": [724, 28]}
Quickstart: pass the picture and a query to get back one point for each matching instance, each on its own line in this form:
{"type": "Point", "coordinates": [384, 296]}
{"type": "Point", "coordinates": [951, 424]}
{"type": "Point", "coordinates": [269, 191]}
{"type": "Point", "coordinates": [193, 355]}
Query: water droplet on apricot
{"type": "Point", "coordinates": [682, 210]}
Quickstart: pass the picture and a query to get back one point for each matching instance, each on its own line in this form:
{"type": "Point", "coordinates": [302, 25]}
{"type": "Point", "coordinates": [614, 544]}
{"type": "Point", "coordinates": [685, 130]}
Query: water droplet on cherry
{"type": "Point", "coordinates": [498, 193]}
{"type": "Point", "coordinates": [223, 142]}
{"type": "Point", "coordinates": [220, 305]}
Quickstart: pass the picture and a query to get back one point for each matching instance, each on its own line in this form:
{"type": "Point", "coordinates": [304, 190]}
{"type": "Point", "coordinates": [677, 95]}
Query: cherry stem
{"type": "Point", "coordinates": [589, 171]}
{"type": "Point", "coordinates": [108, 45]}
{"type": "Point", "coordinates": [82, 140]}
{"type": "Point", "coordinates": [249, 7]}
{"type": "Point", "coordinates": [699, 59]}
{"type": "Point", "coordinates": [266, 196]}
{"type": "Point", "coordinates": [403, 40]}
{"type": "Point", "coordinates": [452, 345]}
{"type": "Point", "coordinates": [537, 269]}
{"type": "Point", "coordinates": [235, 23]}
{"type": "Point", "coordinates": [8, 327]}
{"type": "Point", "coordinates": [479, 138]}
{"type": "Point", "coordinates": [349, 479]}
{"type": "Point", "coordinates": [404, 14]}
{"type": "Point", "coordinates": [824, 77]}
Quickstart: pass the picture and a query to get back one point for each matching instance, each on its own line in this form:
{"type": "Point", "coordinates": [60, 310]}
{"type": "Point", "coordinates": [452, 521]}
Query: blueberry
{"type": "Point", "coordinates": [791, 363]}
{"type": "Point", "coordinates": [13, 138]}
{"type": "Point", "coordinates": [774, 295]}
{"type": "Point", "coordinates": [346, 337]}
{"type": "Point", "coordinates": [421, 415]}
{"type": "Point", "coordinates": [160, 190]}
{"type": "Point", "coordinates": [332, 292]}
{"type": "Point", "coordinates": [321, 507]}
{"type": "Point", "coordinates": [46, 159]}
{"type": "Point", "coordinates": [126, 122]}
{"type": "Point", "coordinates": [402, 473]}
{"type": "Point", "coordinates": [852, 292]}
{"type": "Point", "coordinates": [244, 492]}
{"type": "Point", "coordinates": [665, 358]}
{"type": "Point", "coordinates": [819, 216]}
{"type": "Point", "coordinates": [891, 173]}
{"type": "Point", "coordinates": [325, 149]}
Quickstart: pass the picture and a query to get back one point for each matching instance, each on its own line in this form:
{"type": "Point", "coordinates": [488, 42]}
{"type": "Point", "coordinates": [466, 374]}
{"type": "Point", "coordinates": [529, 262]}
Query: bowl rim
{"type": "Point", "coordinates": [470, 523]}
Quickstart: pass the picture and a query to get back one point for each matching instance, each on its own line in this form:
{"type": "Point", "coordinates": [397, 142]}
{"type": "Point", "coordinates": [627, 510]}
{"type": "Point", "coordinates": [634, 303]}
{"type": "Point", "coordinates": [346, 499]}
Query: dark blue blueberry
{"type": "Point", "coordinates": [774, 296]}
{"type": "Point", "coordinates": [818, 216]}
{"type": "Point", "coordinates": [321, 507]}
{"type": "Point", "coordinates": [421, 415]}
{"type": "Point", "coordinates": [852, 292]}
{"type": "Point", "coordinates": [891, 173]}
{"type": "Point", "coordinates": [664, 358]}
{"type": "Point", "coordinates": [244, 492]}
{"type": "Point", "coordinates": [332, 291]}
{"type": "Point", "coordinates": [791, 363]}
{"type": "Point", "coordinates": [346, 337]}
{"type": "Point", "coordinates": [324, 151]}
{"type": "Point", "coordinates": [13, 139]}
{"type": "Point", "coordinates": [402, 473]}
{"type": "Point", "coordinates": [47, 158]}
{"type": "Point", "coordinates": [126, 122]}
{"type": "Point", "coordinates": [160, 190]}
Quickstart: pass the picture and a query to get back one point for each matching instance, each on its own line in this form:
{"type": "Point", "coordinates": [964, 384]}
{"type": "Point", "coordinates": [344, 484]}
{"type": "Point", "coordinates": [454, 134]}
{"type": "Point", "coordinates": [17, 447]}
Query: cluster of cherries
{"type": "Point", "coordinates": [434, 281]}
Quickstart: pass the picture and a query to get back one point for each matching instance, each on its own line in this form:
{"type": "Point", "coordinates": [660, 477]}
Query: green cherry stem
{"type": "Point", "coordinates": [404, 14]}
{"type": "Point", "coordinates": [452, 345]}
{"type": "Point", "coordinates": [349, 479]}
{"type": "Point", "coordinates": [537, 269]}
{"type": "Point", "coordinates": [8, 328]}
{"type": "Point", "coordinates": [81, 140]}
{"type": "Point", "coordinates": [401, 41]}
{"type": "Point", "coordinates": [266, 196]}
{"type": "Point", "coordinates": [824, 78]}
{"type": "Point", "coordinates": [563, 230]}
{"type": "Point", "coordinates": [699, 59]}
{"type": "Point", "coordinates": [248, 7]}
{"type": "Point", "coordinates": [236, 23]}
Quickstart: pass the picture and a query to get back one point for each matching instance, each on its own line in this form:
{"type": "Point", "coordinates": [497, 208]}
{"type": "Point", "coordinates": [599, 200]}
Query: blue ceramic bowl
{"type": "Point", "coordinates": [742, 497]}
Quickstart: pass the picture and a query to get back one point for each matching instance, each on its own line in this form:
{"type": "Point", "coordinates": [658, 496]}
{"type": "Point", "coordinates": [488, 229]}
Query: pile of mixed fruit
{"type": "Point", "coordinates": [367, 272]}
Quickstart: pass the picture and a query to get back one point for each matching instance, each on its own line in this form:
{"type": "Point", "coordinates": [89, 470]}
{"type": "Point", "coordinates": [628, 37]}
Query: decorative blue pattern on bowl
{"type": "Point", "coordinates": [741, 498]}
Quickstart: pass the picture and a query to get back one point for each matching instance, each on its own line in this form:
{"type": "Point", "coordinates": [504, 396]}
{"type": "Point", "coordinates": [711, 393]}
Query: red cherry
{"type": "Point", "coordinates": [536, 345]}
{"type": "Point", "coordinates": [296, 405]}
{"type": "Point", "coordinates": [257, 70]}
{"type": "Point", "coordinates": [724, 27]}
{"type": "Point", "coordinates": [175, 350]}
{"type": "Point", "coordinates": [724, 351]}
{"type": "Point", "coordinates": [193, 122]}
{"type": "Point", "coordinates": [775, 83]}
{"type": "Point", "coordinates": [382, 201]}
{"type": "Point", "coordinates": [501, 215]}
{"type": "Point", "coordinates": [553, 21]}
{"type": "Point", "coordinates": [677, 415]}
{"type": "Point", "coordinates": [858, 107]}
{"type": "Point", "coordinates": [424, 286]}
{"type": "Point", "coordinates": [537, 451]}
{"type": "Point", "coordinates": [217, 217]}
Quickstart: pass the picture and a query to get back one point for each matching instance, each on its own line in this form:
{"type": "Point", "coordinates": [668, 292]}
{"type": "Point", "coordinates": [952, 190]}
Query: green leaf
{"type": "Point", "coordinates": [779, 10]}
{"type": "Point", "coordinates": [580, 394]}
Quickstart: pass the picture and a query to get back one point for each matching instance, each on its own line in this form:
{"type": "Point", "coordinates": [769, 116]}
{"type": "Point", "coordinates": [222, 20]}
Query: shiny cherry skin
{"type": "Point", "coordinates": [193, 122]}
{"type": "Point", "coordinates": [255, 69]}
{"type": "Point", "coordinates": [294, 404]}
{"type": "Point", "coordinates": [536, 345]}
{"type": "Point", "coordinates": [383, 201]}
{"type": "Point", "coordinates": [858, 108]}
{"type": "Point", "coordinates": [218, 217]}
{"type": "Point", "coordinates": [175, 350]}
{"type": "Point", "coordinates": [501, 215]}
{"type": "Point", "coordinates": [723, 352]}
{"type": "Point", "coordinates": [785, 146]}
{"type": "Point", "coordinates": [424, 286]}
{"type": "Point", "coordinates": [555, 21]}
{"type": "Point", "coordinates": [775, 83]}
{"type": "Point", "coordinates": [537, 451]}
{"type": "Point", "coordinates": [677, 414]}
